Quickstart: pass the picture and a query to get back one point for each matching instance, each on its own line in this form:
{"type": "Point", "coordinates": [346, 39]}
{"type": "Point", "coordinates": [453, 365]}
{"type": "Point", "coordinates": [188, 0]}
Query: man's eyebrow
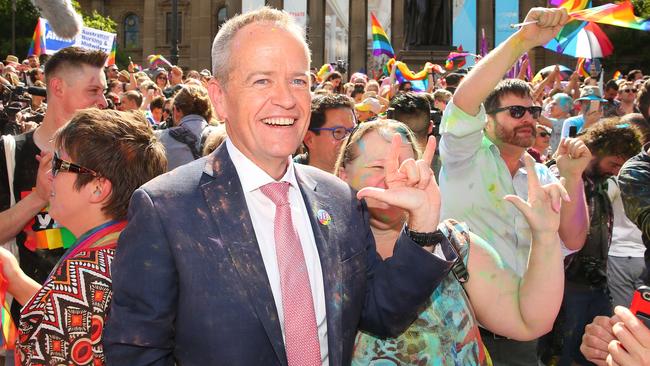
{"type": "Point", "coordinates": [258, 73]}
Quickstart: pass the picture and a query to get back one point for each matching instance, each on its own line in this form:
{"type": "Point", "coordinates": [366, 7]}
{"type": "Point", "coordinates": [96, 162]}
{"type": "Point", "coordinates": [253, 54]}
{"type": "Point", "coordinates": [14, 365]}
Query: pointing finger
{"type": "Point", "coordinates": [430, 150]}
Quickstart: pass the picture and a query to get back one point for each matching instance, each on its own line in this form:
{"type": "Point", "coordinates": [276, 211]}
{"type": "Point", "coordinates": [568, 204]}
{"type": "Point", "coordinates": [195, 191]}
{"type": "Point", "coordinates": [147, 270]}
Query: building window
{"type": "Point", "coordinates": [382, 10]}
{"type": "Point", "coordinates": [222, 16]}
{"type": "Point", "coordinates": [131, 31]}
{"type": "Point", "coordinates": [337, 16]}
{"type": "Point", "coordinates": [168, 27]}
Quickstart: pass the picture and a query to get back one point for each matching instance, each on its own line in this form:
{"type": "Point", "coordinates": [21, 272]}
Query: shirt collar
{"type": "Point", "coordinates": [251, 176]}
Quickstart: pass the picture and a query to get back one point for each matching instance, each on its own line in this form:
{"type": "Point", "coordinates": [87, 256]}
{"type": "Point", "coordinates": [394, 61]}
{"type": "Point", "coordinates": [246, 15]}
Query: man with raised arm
{"type": "Point", "coordinates": [486, 130]}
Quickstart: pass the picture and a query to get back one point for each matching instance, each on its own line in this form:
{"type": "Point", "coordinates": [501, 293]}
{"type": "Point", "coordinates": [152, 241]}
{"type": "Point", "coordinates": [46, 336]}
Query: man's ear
{"type": "Point", "coordinates": [56, 87]}
{"type": "Point", "coordinates": [216, 93]}
{"type": "Point", "coordinates": [308, 140]}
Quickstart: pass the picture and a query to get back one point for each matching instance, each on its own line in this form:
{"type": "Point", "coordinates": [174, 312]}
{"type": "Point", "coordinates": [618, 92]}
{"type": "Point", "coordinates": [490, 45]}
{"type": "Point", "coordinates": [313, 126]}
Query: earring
{"type": "Point", "coordinates": [97, 192]}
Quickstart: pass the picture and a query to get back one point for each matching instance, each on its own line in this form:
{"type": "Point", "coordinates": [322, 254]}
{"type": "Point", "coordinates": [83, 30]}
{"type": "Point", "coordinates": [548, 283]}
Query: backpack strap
{"type": "Point", "coordinates": [458, 236]}
{"type": "Point", "coordinates": [183, 135]}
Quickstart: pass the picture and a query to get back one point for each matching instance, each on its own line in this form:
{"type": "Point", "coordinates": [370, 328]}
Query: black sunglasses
{"type": "Point", "coordinates": [544, 134]}
{"type": "Point", "coordinates": [629, 90]}
{"type": "Point", "coordinates": [518, 111]}
{"type": "Point", "coordinates": [60, 165]}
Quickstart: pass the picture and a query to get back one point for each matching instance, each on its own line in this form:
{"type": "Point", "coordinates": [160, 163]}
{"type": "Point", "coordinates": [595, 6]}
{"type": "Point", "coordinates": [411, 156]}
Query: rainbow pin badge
{"type": "Point", "coordinates": [323, 217]}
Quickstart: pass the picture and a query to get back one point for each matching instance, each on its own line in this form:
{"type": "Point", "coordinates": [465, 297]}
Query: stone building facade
{"type": "Point", "coordinates": [144, 28]}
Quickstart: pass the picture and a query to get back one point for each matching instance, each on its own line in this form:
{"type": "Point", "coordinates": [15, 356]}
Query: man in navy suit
{"type": "Point", "coordinates": [202, 274]}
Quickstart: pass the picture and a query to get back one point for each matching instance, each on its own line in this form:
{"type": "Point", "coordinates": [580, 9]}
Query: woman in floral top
{"type": "Point", "coordinates": [101, 157]}
{"type": "Point", "coordinates": [479, 289]}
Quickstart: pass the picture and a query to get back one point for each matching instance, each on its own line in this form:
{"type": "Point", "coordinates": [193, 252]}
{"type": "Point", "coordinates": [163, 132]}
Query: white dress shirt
{"type": "Point", "coordinates": [262, 212]}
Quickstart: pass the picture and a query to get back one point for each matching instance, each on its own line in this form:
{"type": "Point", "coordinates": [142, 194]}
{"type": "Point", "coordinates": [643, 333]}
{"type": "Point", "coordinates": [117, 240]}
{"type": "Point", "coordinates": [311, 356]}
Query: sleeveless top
{"type": "Point", "coordinates": [446, 331]}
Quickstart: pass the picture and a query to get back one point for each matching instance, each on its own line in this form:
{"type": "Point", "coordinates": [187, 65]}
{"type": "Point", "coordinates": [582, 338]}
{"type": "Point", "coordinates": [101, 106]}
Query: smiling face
{"type": "Point", "coordinates": [504, 129]}
{"type": "Point", "coordinates": [266, 101]}
{"type": "Point", "coordinates": [367, 170]}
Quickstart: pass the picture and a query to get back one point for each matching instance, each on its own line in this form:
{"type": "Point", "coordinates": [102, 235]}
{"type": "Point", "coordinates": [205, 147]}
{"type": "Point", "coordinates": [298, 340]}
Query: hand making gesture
{"type": "Point", "coordinates": [542, 209]}
{"type": "Point", "coordinates": [410, 186]}
{"type": "Point", "coordinates": [572, 157]}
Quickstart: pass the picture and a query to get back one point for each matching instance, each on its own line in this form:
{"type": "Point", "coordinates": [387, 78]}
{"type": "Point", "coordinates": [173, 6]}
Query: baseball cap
{"type": "Point", "coordinates": [206, 73]}
{"type": "Point", "coordinates": [369, 105]}
{"type": "Point", "coordinates": [591, 93]}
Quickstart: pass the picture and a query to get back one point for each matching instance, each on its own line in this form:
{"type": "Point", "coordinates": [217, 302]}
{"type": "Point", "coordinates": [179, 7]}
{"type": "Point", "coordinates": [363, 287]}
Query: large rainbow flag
{"type": "Point", "coordinates": [380, 43]}
{"type": "Point", "coordinates": [619, 14]}
{"type": "Point", "coordinates": [37, 47]}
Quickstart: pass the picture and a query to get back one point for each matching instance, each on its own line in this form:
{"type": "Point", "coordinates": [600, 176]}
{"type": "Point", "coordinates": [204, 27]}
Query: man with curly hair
{"type": "Point", "coordinates": [611, 143]}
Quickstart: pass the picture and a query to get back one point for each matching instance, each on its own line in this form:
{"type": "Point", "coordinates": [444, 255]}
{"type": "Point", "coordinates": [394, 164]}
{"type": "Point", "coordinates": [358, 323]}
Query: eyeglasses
{"type": "Point", "coordinates": [544, 134]}
{"type": "Point", "coordinates": [60, 165]}
{"type": "Point", "coordinates": [518, 111]}
{"type": "Point", "coordinates": [338, 132]}
{"type": "Point", "coordinates": [628, 91]}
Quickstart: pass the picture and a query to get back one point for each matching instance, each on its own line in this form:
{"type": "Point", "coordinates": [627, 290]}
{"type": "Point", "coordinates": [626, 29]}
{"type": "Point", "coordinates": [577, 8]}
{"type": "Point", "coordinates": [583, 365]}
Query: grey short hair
{"type": "Point", "coordinates": [223, 39]}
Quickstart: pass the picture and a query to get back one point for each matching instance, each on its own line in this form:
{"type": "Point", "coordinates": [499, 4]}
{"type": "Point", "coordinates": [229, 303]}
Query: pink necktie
{"type": "Point", "coordinates": [300, 331]}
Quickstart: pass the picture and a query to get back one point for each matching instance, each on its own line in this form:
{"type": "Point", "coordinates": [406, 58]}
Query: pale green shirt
{"type": "Point", "coordinates": [473, 181]}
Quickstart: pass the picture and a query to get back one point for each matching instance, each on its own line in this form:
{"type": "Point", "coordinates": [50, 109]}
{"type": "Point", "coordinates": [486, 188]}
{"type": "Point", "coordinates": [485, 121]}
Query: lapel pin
{"type": "Point", "coordinates": [324, 217]}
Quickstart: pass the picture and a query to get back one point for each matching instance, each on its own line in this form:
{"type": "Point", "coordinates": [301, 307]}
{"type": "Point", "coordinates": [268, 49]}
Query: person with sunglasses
{"type": "Point", "coordinates": [627, 98]}
{"type": "Point", "coordinates": [486, 129]}
{"type": "Point", "coordinates": [540, 150]}
{"type": "Point", "coordinates": [332, 119]}
{"type": "Point", "coordinates": [62, 320]}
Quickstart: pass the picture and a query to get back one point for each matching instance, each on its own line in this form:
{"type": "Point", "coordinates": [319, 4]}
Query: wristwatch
{"type": "Point", "coordinates": [425, 239]}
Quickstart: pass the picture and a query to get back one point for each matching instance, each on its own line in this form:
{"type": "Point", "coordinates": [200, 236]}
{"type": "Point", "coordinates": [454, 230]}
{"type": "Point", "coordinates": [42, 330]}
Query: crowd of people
{"type": "Point", "coordinates": [260, 214]}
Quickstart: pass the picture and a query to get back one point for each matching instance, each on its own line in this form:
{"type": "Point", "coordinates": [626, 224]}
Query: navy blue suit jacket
{"type": "Point", "coordinates": [190, 287]}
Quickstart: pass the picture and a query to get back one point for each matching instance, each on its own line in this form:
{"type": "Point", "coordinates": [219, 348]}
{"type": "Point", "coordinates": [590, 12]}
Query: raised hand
{"type": "Point", "coordinates": [410, 186]}
{"type": "Point", "coordinates": [573, 156]}
{"type": "Point", "coordinates": [43, 185]}
{"type": "Point", "coordinates": [542, 209]}
{"type": "Point", "coordinates": [549, 23]}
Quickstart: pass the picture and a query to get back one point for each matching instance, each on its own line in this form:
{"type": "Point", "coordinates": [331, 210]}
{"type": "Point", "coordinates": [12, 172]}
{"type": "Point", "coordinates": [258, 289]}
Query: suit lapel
{"type": "Point", "coordinates": [225, 197]}
{"type": "Point", "coordinates": [317, 202]}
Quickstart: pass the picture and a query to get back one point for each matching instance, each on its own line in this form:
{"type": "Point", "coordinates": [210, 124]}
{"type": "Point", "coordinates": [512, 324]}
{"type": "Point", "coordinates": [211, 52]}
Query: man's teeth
{"type": "Point", "coordinates": [279, 121]}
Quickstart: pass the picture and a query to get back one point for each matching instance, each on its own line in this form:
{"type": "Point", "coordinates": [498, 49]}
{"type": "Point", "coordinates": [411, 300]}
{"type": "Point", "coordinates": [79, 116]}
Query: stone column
{"type": "Point", "coordinates": [234, 7]}
{"type": "Point", "coordinates": [485, 20]}
{"type": "Point", "coordinates": [277, 4]}
{"type": "Point", "coordinates": [397, 26]}
{"type": "Point", "coordinates": [148, 31]}
{"type": "Point", "coordinates": [358, 37]}
{"type": "Point", "coordinates": [199, 36]}
{"type": "Point", "coordinates": [316, 29]}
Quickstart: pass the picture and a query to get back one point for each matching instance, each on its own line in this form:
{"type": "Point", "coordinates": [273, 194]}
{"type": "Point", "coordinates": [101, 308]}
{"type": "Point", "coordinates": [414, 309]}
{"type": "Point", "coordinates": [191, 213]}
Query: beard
{"type": "Point", "coordinates": [512, 136]}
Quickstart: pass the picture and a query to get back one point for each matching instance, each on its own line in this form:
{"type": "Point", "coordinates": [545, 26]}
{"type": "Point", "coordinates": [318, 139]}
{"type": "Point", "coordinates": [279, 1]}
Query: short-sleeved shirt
{"type": "Point", "coordinates": [473, 181]}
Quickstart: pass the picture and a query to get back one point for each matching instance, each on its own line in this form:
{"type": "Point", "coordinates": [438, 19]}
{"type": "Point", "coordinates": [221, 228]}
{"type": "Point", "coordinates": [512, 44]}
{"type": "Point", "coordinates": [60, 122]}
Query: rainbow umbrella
{"type": "Point", "coordinates": [588, 41]}
{"type": "Point", "coordinates": [564, 71]}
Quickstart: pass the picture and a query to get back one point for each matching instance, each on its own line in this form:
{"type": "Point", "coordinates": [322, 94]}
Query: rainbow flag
{"type": "Point", "coordinates": [9, 332]}
{"type": "Point", "coordinates": [158, 61]}
{"type": "Point", "coordinates": [380, 42]}
{"type": "Point", "coordinates": [111, 56]}
{"type": "Point", "coordinates": [37, 47]}
{"type": "Point", "coordinates": [582, 67]}
{"type": "Point", "coordinates": [620, 15]}
{"type": "Point", "coordinates": [459, 56]}
{"type": "Point", "coordinates": [49, 235]}
{"type": "Point", "coordinates": [617, 75]}
{"type": "Point", "coordinates": [570, 5]}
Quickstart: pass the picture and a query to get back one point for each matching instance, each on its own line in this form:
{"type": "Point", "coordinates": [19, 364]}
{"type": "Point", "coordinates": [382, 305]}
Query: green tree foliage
{"type": "Point", "coordinates": [26, 18]}
{"type": "Point", "coordinates": [642, 8]}
{"type": "Point", "coordinates": [95, 20]}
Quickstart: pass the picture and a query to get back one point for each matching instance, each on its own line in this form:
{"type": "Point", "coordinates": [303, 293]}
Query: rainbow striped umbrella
{"type": "Point", "coordinates": [588, 41]}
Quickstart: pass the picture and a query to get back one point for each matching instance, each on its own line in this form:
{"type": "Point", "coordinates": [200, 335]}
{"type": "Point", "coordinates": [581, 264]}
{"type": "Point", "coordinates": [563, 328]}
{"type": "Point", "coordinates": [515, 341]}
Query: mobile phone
{"type": "Point", "coordinates": [573, 131]}
{"type": "Point", "coordinates": [594, 105]}
{"type": "Point", "coordinates": [640, 305]}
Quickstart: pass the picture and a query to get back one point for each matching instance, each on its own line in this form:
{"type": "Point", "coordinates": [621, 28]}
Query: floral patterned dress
{"type": "Point", "coordinates": [445, 333]}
